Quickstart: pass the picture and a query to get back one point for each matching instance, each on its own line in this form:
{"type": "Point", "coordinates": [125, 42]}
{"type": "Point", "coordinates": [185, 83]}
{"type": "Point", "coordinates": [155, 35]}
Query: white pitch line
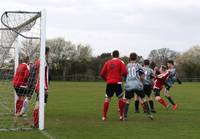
{"type": "Point", "coordinates": [46, 134]}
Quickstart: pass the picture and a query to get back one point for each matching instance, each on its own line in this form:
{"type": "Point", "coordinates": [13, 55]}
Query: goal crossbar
{"type": "Point", "coordinates": [17, 28]}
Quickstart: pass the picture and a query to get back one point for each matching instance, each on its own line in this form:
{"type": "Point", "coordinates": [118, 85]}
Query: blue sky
{"type": "Point", "coordinates": [127, 25]}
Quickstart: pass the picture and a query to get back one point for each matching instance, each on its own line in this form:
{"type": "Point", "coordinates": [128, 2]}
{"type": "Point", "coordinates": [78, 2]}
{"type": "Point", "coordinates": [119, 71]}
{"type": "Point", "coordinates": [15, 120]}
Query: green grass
{"type": "Point", "coordinates": [74, 111]}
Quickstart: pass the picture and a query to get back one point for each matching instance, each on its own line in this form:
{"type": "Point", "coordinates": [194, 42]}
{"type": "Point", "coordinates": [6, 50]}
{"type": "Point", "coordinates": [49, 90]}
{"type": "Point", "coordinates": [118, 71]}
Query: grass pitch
{"type": "Point", "coordinates": [74, 112]}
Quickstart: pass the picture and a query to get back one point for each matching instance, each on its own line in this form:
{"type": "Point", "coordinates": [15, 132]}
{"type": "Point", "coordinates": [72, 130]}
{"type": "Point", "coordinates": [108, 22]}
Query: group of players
{"type": "Point", "coordinates": [25, 82]}
{"type": "Point", "coordinates": [140, 82]}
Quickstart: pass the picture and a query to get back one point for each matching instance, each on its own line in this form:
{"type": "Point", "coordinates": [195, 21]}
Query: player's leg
{"type": "Point", "coordinates": [159, 99]}
{"type": "Point", "coordinates": [108, 96]}
{"type": "Point", "coordinates": [151, 103]}
{"type": "Point", "coordinates": [26, 101]}
{"type": "Point", "coordinates": [167, 95]}
{"type": "Point", "coordinates": [137, 102]}
{"type": "Point", "coordinates": [121, 101]}
{"type": "Point", "coordinates": [121, 104]}
{"type": "Point", "coordinates": [126, 107]}
{"type": "Point", "coordinates": [36, 110]}
{"type": "Point", "coordinates": [148, 91]}
{"type": "Point", "coordinates": [20, 100]}
{"type": "Point", "coordinates": [145, 103]}
{"type": "Point", "coordinates": [25, 106]}
{"type": "Point", "coordinates": [36, 114]}
{"type": "Point", "coordinates": [19, 105]}
{"type": "Point", "coordinates": [128, 96]}
{"type": "Point", "coordinates": [105, 107]}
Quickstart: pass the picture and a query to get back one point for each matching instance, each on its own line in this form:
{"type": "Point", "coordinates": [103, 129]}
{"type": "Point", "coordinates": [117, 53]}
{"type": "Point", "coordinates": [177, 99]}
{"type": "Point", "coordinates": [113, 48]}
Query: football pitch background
{"type": "Point", "coordinates": [74, 112]}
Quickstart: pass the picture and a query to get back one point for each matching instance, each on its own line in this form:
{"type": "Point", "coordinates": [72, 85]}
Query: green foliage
{"type": "Point", "coordinates": [67, 58]}
{"type": "Point", "coordinates": [188, 63]}
{"type": "Point", "coordinates": [72, 62]}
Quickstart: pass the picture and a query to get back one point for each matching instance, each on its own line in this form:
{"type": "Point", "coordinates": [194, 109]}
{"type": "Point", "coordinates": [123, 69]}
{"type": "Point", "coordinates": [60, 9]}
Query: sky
{"type": "Point", "coordinates": [126, 25]}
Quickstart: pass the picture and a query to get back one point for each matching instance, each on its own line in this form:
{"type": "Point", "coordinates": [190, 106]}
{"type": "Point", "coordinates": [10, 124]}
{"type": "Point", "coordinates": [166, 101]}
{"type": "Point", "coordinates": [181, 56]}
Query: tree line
{"type": "Point", "coordinates": [69, 61]}
{"type": "Point", "coordinates": [75, 62]}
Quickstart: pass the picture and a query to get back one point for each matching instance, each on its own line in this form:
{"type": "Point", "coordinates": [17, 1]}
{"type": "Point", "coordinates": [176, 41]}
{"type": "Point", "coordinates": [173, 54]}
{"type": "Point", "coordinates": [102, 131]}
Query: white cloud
{"type": "Point", "coordinates": [127, 25]}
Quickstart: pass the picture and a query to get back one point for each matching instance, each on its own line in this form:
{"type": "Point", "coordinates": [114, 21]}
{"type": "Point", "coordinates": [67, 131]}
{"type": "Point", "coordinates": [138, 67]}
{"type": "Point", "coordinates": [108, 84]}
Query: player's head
{"type": "Point", "coordinates": [170, 63]}
{"type": "Point", "coordinates": [146, 62]}
{"type": "Point", "coordinates": [25, 59]}
{"type": "Point", "coordinates": [163, 68]}
{"type": "Point", "coordinates": [156, 70]}
{"type": "Point", "coordinates": [133, 57]}
{"type": "Point", "coordinates": [115, 54]}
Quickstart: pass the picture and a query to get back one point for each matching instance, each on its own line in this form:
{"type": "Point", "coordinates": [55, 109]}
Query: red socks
{"type": "Point", "coordinates": [105, 108]}
{"type": "Point", "coordinates": [36, 118]}
{"type": "Point", "coordinates": [163, 102]}
{"type": "Point", "coordinates": [121, 104]}
{"type": "Point", "coordinates": [19, 105]}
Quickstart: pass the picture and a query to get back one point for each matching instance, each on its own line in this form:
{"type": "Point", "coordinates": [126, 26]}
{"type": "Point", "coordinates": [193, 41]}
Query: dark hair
{"type": "Point", "coordinates": [115, 53]}
{"type": "Point", "coordinates": [25, 59]}
{"type": "Point", "coordinates": [170, 62]}
{"type": "Point", "coordinates": [146, 62]}
{"type": "Point", "coordinates": [164, 67]}
{"type": "Point", "coordinates": [133, 56]}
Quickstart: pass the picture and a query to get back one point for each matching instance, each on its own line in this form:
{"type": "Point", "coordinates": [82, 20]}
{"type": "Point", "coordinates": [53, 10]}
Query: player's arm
{"type": "Point", "coordinates": [104, 71]}
{"type": "Point", "coordinates": [26, 74]}
{"type": "Point", "coordinates": [165, 76]}
{"type": "Point", "coordinates": [152, 76]}
{"type": "Point", "coordinates": [124, 69]}
{"type": "Point", "coordinates": [178, 79]}
{"type": "Point", "coordinates": [141, 74]}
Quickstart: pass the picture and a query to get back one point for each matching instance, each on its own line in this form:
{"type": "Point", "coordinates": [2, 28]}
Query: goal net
{"type": "Point", "coordinates": [22, 39]}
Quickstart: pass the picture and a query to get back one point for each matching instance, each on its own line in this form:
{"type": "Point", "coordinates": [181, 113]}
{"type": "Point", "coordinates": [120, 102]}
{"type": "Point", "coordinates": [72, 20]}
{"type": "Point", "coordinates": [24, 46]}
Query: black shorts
{"type": "Point", "coordinates": [167, 87]}
{"type": "Point", "coordinates": [21, 91]}
{"type": "Point", "coordinates": [45, 97]}
{"type": "Point", "coordinates": [130, 94]}
{"type": "Point", "coordinates": [156, 92]}
{"type": "Point", "coordinates": [147, 90]}
{"type": "Point", "coordinates": [29, 92]}
{"type": "Point", "coordinates": [112, 89]}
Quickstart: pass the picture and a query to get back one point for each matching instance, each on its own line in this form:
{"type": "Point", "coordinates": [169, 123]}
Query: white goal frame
{"type": "Point", "coordinates": [42, 69]}
{"type": "Point", "coordinates": [42, 66]}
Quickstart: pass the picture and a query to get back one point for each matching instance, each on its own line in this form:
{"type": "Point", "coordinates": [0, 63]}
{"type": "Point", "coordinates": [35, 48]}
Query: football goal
{"type": "Point", "coordinates": [22, 34]}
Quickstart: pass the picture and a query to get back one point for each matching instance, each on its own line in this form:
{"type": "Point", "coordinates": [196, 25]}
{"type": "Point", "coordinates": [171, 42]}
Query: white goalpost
{"type": "Point", "coordinates": [22, 34]}
{"type": "Point", "coordinates": [42, 70]}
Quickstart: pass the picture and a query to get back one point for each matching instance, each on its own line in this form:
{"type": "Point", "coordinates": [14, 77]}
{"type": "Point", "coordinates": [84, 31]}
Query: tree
{"type": "Point", "coordinates": [62, 52]}
{"type": "Point", "coordinates": [161, 56]}
{"type": "Point", "coordinates": [30, 48]}
{"type": "Point", "coordinates": [84, 52]}
{"type": "Point", "coordinates": [188, 63]}
{"type": "Point", "coordinates": [97, 62]}
{"type": "Point", "coordinates": [5, 55]}
{"type": "Point", "coordinates": [68, 58]}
